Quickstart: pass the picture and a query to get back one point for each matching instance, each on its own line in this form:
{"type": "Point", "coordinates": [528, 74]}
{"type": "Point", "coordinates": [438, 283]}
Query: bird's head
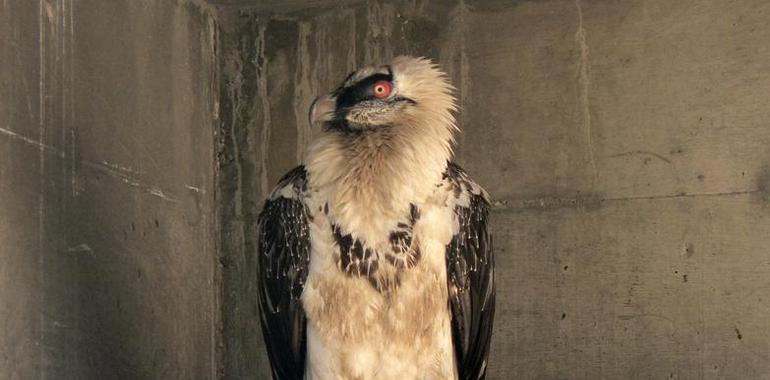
{"type": "Point", "coordinates": [408, 92]}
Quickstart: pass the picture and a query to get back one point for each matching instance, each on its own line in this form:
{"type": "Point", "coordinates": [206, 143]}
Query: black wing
{"type": "Point", "coordinates": [283, 257]}
{"type": "Point", "coordinates": [470, 277]}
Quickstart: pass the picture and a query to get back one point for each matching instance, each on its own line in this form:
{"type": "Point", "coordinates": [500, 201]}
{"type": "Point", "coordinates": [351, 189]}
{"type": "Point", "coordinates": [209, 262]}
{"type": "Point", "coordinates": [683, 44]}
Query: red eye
{"type": "Point", "coordinates": [381, 89]}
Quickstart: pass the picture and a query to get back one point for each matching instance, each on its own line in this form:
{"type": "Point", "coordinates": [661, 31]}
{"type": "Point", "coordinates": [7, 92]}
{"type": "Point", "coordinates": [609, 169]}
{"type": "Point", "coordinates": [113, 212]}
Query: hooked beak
{"type": "Point", "coordinates": [322, 109]}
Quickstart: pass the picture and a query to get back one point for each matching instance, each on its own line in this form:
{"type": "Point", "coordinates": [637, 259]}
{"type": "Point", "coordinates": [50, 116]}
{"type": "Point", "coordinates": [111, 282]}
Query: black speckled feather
{"type": "Point", "coordinates": [283, 258]}
{"type": "Point", "coordinates": [470, 277]}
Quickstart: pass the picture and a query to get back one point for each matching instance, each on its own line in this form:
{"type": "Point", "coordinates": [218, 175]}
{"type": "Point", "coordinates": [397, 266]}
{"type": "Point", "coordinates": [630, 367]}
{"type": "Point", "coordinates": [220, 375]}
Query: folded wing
{"type": "Point", "coordinates": [470, 275]}
{"type": "Point", "coordinates": [283, 257]}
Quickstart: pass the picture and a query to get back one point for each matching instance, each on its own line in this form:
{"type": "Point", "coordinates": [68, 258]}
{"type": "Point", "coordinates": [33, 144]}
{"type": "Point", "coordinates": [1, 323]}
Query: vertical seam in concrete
{"type": "Point", "coordinates": [236, 147]}
{"type": "Point", "coordinates": [22, 74]}
{"type": "Point", "coordinates": [66, 38]}
{"type": "Point", "coordinates": [64, 84]}
{"type": "Point", "coordinates": [303, 89]}
{"type": "Point", "coordinates": [216, 286]}
{"type": "Point", "coordinates": [584, 81]}
{"type": "Point", "coordinates": [453, 56]}
{"type": "Point", "coordinates": [465, 80]}
{"type": "Point", "coordinates": [265, 133]}
{"type": "Point", "coordinates": [41, 184]}
{"type": "Point", "coordinates": [351, 59]}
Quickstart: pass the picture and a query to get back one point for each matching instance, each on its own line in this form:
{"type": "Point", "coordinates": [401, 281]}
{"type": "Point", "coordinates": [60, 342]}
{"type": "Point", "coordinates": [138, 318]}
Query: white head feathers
{"type": "Point", "coordinates": [379, 154]}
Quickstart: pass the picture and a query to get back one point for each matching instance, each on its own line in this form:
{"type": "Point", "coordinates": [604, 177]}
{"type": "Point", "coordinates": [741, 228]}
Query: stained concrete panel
{"type": "Point", "coordinates": [677, 96]}
{"type": "Point", "coordinates": [108, 255]}
{"type": "Point", "coordinates": [18, 232]}
{"type": "Point", "coordinates": [633, 289]}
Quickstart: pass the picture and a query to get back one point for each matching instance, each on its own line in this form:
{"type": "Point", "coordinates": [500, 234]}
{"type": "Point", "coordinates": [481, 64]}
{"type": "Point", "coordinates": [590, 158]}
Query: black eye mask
{"type": "Point", "coordinates": [361, 91]}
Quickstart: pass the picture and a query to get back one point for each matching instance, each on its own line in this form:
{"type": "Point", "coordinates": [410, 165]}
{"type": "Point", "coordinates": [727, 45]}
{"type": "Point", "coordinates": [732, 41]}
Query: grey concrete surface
{"type": "Point", "coordinates": [625, 144]}
{"type": "Point", "coordinates": [107, 249]}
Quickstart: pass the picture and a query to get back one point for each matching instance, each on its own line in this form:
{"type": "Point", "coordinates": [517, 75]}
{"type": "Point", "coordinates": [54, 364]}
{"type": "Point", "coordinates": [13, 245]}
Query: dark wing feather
{"type": "Point", "coordinates": [283, 257]}
{"type": "Point", "coordinates": [470, 276]}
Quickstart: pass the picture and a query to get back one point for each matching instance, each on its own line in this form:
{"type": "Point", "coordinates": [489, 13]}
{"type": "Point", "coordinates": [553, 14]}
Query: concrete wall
{"type": "Point", "coordinates": [625, 144]}
{"type": "Point", "coordinates": [107, 249]}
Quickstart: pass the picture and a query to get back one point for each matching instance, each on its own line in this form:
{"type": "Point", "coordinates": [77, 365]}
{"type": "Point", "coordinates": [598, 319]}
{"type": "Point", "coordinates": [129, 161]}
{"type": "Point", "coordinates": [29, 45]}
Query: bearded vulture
{"type": "Point", "coordinates": [374, 260]}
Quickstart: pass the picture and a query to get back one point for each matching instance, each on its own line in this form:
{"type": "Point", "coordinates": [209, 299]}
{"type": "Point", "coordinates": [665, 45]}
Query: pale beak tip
{"type": "Point", "coordinates": [321, 109]}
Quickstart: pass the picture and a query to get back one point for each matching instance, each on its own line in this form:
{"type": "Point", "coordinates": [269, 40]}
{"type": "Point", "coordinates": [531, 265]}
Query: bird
{"type": "Point", "coordinates": [374, 259]}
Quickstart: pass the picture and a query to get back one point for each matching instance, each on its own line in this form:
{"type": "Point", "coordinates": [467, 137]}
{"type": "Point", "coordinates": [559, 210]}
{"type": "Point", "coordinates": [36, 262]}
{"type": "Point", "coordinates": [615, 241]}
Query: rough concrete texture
{"type": "Point", "coordinates": [107, 265]}
{"type": "Point", "coordinates": [625, 143]}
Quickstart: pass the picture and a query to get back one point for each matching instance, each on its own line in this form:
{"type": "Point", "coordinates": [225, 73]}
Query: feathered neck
{"type": "Point", "coordinates": [369, 179]}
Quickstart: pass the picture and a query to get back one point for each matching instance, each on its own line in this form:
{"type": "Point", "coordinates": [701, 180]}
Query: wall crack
{"type": "Point", "coordinates": [553, 203]}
